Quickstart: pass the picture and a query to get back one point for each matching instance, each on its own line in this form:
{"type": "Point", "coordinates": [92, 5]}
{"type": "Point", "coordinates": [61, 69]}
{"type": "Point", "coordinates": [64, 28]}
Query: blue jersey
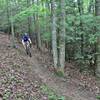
{"type": "Point", "coordinates": [25, 38]}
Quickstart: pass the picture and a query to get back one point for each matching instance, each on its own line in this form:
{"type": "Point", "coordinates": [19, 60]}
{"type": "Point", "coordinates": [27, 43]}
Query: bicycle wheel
{"type": "Point", "coordinates": [28, 49]}
{"type": "Point", "coordinates": [29, 52]}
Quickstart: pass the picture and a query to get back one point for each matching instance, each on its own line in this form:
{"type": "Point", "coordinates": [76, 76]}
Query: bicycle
{"type": "Point", "coordinates": [28, 48]}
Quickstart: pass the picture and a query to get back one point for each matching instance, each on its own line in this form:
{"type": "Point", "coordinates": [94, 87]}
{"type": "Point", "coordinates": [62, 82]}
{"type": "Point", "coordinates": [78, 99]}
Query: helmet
{"type": "Point", "coordinates": [25, 33]}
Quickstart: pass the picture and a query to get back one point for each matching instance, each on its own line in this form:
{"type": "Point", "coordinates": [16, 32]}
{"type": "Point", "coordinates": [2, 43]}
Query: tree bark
{"type": "Point", "coordinates": [29, 19]}
{"type": "Point", "coordinates": [54, 37]}
{"type": "Point", "coordinates": [12, 28]}
{"type": "Point", "coordinates": [97, 11]}
{"type": "Point", "coordinates": [8, 15]}
{"type": "Point", "coordinates": [80, 8]}
{"type": "Point", "coordinates": [62, 36]}
{"type": "Point", "coordinates": [38, 30]}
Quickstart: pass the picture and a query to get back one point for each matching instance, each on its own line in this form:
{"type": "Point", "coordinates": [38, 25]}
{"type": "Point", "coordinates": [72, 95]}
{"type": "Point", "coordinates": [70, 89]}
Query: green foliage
{"type": "Point", "coordinates": [51, 93]}
{"type": "Point", "coordinates": [26, 13]}
{"type": "Point", "coordinates": [86, 5]}
{"type": "Point", "coordinates": [59, 73]}
{"type": "Point", "coordinates": [92, 38]}
{"type": "Point", "coordinates": [33, 9]}
{"type": "Point", "coordinates": [46, 36]}
{"type": "Point", "coordinates": [6, 94]}
{"type": "Point", "coordinates": [98, 97]}
{"type": "Point", "coordinates": [53, 97]}
{"type": "Point", "coordinates": [61, 98]}
{"type": "Point", "coordinates": [77, 26]}
{"type": "Point", "coordinates": [90, 28]}
{"type": "Point", "coordinates": [47, 90]}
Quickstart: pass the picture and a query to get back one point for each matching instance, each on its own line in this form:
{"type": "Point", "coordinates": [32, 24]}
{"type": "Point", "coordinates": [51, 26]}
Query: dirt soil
{"type": "Point", "coordinates": [21, 76]}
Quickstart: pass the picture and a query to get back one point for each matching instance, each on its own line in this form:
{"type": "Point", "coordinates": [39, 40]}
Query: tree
{"type": "Point", "coordinates": [54, 37]}
{"type": "Point", "coordinates": [8, 15]}
{"type": "Point", "coordinates": [38, 29]}
{"type": "Point", "coordinates": [12, 25]}
{"type": "Point", "coordinates": [29, 3]}
{"type": "Point", "coordinates": [97, 7]}
{"type": "Point", "coordinates": [46, 21]}
{"type": "Point", "coordinates": [80, 8]}
{"type": "Point", "coordinates": [62, 37]}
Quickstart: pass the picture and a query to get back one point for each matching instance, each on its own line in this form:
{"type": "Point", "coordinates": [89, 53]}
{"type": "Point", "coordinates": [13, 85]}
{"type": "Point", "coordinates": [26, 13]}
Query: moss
{"type": "Point", "coordinates": [60, 72]}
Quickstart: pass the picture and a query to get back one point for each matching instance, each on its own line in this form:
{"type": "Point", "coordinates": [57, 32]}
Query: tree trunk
{"type": "Point", "coordinates": [8, 15]}
{"type": "Point", "coordinates": [12, 29]}
{"type": "Point", "coordinates": [97, 8]}
{"type": "Point", "coordinates": [38, 30]}
{"type": "Point", "coordinates": [34, 34]}
{"type": "Point", "coordinates": [62, 36]}
{"type": "Point", "coordinates": [91, 8]}
{"type": "Point", "coordinates": [80, 8]}
{"type": "Point", "coordinates": [29, 18]}
{"type": "Point", "coordinates": [54, 37]}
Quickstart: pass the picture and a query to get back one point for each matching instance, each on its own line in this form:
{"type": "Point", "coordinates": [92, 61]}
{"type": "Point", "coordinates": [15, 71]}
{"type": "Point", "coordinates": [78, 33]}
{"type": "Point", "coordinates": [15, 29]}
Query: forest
{"type": "Point", "coordinates": [64, 56]}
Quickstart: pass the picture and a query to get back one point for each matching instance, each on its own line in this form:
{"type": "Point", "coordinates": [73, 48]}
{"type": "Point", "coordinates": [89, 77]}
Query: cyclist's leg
{"type": "Point", "coordinates": [30, 41]}
{"type": "Point", "coordinates": [29, 49]}
{"type": "Point", "coordinates": [24, 44]}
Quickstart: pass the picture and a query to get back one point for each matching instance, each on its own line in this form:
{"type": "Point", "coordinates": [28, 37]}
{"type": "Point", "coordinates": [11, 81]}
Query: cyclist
{"type": "Point", "coordinates": [26, 39]}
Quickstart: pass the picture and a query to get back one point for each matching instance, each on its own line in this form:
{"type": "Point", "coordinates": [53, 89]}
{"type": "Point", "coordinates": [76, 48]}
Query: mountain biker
{"type": "Point", "coordinates": [26, 39]}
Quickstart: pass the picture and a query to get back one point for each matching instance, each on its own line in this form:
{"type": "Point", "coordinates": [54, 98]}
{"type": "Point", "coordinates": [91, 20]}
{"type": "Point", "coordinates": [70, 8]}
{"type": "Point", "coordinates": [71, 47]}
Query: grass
{"type": "Point", "coordinates": [51, 94]}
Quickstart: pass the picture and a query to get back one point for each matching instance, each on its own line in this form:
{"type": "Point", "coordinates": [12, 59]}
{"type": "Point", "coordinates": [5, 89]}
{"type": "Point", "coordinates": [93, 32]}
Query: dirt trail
{"type": "Point", "coordinates": [61, 85]}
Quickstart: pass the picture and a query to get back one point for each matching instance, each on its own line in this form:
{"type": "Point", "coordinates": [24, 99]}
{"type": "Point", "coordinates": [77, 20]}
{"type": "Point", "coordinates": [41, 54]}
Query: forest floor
{"type": "Point", "coordinates": [25, 78]}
